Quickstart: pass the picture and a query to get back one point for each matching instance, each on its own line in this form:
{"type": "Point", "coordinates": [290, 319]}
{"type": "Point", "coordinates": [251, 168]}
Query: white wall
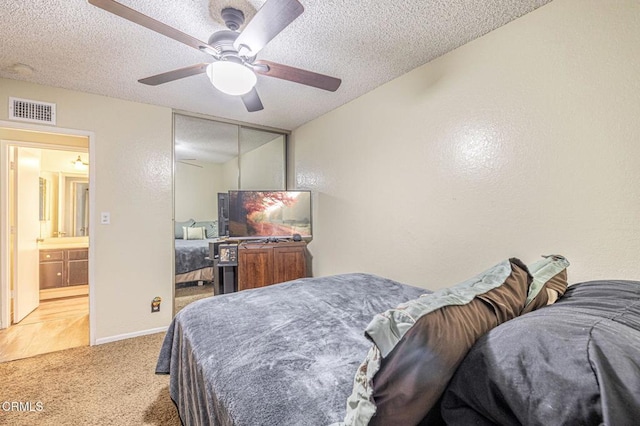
{"type": "Point", "coordinates": [523, 142]}
{"type": "Point", "coordinates": [196, 191]}
{"type": "Point", "coordinates": [133, 256]}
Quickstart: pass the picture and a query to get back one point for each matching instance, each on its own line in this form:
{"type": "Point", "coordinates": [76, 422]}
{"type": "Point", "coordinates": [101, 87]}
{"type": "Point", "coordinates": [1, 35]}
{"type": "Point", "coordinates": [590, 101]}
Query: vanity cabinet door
{"type": "Point", "coordinates": [51, 274]}
{"type": "Point", "coordinates": [78, 272]}
{"type": "Point", "coordinates": [77, 267]}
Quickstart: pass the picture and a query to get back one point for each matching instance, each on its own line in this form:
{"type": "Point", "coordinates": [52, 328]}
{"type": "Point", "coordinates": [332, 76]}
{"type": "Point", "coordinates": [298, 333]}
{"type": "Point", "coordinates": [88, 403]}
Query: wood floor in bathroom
{"type": "Point", "coordinates": [55, 325]}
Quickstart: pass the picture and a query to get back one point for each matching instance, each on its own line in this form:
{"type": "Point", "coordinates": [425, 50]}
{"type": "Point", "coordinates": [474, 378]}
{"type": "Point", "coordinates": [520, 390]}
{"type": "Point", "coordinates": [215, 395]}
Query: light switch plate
{"type": "Point", "coordinates": [105, 218]}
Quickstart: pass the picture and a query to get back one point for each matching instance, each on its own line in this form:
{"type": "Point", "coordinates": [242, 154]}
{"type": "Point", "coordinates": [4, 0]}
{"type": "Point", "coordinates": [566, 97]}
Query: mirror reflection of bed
{"type": "Point", "coordinates": [211, 158]}
{"type": "Point", "coordinates": [194, 269]}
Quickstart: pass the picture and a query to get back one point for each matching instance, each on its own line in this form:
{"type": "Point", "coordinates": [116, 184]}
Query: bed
{"type": "Point", "coordinates": [297, 342]}
{"type": "Point", "coordinates": [287, 355]}
{"type": "Point", "coordinates": [192, 240]}
{"type": "Point", "coordinates": [192, 260]}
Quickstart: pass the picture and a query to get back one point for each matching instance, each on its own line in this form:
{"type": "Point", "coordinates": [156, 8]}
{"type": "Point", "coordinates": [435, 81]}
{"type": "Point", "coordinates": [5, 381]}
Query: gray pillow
{"type": "Point", "coordinates": [210, 228]}
{"type": "Point", "coordinates": [178, 227]}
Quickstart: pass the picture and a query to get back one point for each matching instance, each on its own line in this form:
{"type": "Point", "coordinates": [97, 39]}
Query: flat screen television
{"type": "Point", "coordinates": [269, 214]}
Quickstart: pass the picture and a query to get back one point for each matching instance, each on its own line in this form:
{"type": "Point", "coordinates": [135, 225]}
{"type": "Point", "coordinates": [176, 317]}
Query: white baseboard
{"type": "Point", "coordinates": [130, 335]}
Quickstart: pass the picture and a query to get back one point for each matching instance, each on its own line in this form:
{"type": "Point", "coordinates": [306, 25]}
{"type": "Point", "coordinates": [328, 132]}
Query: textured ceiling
{"type": "Point", "coordinates": [201, 140]}
{"type": "Point", "coordinates": [198, 140]}
{"type": "Point", "coordinates": [75, 45]}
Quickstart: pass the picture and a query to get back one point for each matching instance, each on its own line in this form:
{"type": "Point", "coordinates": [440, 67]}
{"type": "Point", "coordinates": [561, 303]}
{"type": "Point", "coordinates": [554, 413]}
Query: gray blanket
{"type": "Point", "coordinates": [191, 255]}
{"type": "Point", "coordinates": [280, 355]}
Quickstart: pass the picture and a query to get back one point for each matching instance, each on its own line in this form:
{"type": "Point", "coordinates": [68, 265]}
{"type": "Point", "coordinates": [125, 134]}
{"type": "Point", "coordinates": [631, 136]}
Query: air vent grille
{"type": "Point", "coordinates": [32, 111]}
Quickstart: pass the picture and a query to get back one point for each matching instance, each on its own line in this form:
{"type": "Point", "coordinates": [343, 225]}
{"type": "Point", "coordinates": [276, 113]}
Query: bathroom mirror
{"type": "Point", "coordinates": [43, 204]}
{"type": "Point", "coordinates": [73, 214]}
{"type": "Point", "coordinates": [64, 194]}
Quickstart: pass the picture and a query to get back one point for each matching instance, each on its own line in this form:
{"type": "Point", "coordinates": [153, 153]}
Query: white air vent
{"type": "Point", "coordinates": [32, 111]}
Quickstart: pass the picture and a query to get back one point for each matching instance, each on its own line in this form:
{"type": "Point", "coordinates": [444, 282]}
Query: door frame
{"type": "Point", "coordinates": [5, 299]}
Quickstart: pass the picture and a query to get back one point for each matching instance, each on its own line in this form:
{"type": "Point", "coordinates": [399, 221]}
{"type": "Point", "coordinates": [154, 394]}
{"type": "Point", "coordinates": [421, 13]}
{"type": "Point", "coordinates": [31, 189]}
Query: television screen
{"type": "Point", "coordinates": [264, 214]}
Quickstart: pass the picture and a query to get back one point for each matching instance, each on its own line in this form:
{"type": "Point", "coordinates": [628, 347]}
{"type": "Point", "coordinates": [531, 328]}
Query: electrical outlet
{"type": "Point", "coordinates": [155, 304]}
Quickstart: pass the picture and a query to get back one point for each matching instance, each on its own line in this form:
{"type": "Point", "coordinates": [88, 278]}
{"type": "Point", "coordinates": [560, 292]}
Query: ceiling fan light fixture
{"type": "Point", "coordinates": [231, 78]}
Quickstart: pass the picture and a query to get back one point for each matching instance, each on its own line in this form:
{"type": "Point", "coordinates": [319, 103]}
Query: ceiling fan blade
{"type": "Point", "coordinates": [150, 23]}
{"type": "Point", "coordinates": [189, 164]}
{"type": "Point", "coordinates": [308, 78]}
{"type": "Point", "coordinates": [174, 75]}
{"type": "Point", "coordinates": [273, 17]}
{"type": "Point", "coordinates": [252, 101]}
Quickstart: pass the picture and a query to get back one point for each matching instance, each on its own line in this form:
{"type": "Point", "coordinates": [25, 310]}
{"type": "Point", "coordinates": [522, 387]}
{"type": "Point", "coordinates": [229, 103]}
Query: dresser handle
{"type": "Point", "coordinates": [59, 274]}
{"type": "Point", "coordinates": [48, 256]}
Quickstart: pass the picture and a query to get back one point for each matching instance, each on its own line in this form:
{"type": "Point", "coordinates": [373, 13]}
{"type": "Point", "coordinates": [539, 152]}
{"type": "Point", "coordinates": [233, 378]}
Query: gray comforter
{"type": "Point", "coordinates": [280, 355]}
{"type": "Point", "coordinates": [192, 255]}
{"type": "Point", "coordinates": [578, 365]}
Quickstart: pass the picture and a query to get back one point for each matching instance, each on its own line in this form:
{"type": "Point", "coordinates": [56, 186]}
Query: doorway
{"type": "Point", "coordinates": [45, 253]}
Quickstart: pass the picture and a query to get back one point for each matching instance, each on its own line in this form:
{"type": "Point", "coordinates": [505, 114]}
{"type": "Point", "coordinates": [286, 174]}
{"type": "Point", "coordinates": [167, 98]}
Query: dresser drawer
{"type": "Point", "coordinates": [48, 255]}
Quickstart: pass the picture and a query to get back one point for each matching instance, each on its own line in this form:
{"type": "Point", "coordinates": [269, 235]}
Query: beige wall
{"type": "Point", "coordinates": [230, 174]}
{"type": "Point", "coordinates": [196, 191]}
{"type": "Point", "coordinates": [133, 256]}
{"type": "Point", "coordinates": [262, 167]}
{"type": "Point", "coordinates": [523, 142]}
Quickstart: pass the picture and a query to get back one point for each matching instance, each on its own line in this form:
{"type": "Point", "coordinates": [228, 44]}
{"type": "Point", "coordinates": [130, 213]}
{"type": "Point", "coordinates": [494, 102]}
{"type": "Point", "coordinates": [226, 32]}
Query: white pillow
{"type": "Point", "coordinates": [193, 233]}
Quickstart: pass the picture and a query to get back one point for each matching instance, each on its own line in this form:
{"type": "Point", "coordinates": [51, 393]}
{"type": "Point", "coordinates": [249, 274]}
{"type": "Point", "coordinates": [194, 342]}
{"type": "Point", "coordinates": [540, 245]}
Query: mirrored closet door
{"type": "Point", "coordinates": [211, 158]}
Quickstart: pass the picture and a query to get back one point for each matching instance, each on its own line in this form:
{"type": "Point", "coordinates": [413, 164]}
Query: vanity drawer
{"type": "Point", "coordinates": [49, 255]}
{"type": "Point", "coordinates": [78, 254]}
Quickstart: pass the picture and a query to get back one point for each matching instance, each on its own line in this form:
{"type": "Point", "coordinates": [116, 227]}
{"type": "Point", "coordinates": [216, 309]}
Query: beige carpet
{"type": "Point", "coordinates": [109, 384]}
{"type": "Point", "coordinates": [186, 295]}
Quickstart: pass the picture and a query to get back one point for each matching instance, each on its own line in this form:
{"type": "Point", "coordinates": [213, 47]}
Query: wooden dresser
{"type": "Point", "coordinates": [63, 272]}
{"type": "Point", "coordinates": [263, 264]}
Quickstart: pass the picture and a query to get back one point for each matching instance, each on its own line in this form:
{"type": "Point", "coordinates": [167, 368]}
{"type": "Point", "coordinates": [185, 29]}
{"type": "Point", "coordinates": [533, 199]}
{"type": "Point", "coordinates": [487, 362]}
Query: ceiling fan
{"type": "Point", "coordinates": [187, 162]}
{"type": "Point", "coordinates": [235, 66]}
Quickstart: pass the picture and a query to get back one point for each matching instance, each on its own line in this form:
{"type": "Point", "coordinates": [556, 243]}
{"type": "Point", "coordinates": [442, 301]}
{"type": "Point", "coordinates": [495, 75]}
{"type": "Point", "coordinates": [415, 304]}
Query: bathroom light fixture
{"type": "Point", "coordinates": [79, 164]}
{"type": "Point", "coordinates": [231, 77]}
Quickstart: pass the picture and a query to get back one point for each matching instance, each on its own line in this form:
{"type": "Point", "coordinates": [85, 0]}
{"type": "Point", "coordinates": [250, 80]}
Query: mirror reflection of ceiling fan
{"type": "Point", "coordinates": [235, 66]}
{"type": "Point", "coordinates": [186, 161]}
